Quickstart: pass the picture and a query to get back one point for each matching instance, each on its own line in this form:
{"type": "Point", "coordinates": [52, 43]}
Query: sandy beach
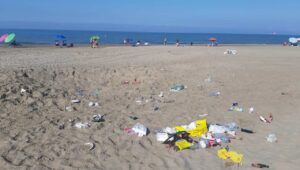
{"type": "Point", "coordinates": [38, 132]}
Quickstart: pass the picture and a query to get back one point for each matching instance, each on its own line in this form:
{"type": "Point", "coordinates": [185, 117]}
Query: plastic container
{"type": "Point", "coordinates": [177, 87]}
{"type": "Point", "coordinates": [140, 129]}
{"type": "Point", "coordinates": [161, 94]}
{"type": "Point", "coordinates": [98, 118]}
{"type": "Point", "coordinates": [271, 138]}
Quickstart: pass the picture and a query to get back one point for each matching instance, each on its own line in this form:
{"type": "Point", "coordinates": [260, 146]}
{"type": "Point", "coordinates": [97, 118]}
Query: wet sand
{"type": "Point", "coordinates": [263, 77]}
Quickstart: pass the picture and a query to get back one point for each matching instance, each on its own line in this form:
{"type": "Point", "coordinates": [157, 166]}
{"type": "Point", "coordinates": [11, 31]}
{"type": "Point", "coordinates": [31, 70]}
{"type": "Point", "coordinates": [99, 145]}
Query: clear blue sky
{"type": "Point", "coordinates": [229, 16]}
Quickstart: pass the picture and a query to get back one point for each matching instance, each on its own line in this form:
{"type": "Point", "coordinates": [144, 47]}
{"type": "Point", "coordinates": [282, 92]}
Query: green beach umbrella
{"type": "Point", "coordinates": [11, 37]}
{"type": "Point", "coordinates": [95, 37]}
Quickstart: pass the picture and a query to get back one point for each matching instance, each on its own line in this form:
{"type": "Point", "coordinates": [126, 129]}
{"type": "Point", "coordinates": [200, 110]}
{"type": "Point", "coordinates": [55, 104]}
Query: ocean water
{"type": "Point", "coordinates": [26, 36]}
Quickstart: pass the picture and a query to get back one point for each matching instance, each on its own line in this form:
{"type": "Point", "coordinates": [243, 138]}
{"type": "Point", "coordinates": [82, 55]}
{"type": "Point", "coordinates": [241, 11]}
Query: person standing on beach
{"type": "Point", "coordinates": [56, 43]}
{"type": "Point", "coordinates": [177, 43]}
{"type": "Point", "coordinates": [165, 41]}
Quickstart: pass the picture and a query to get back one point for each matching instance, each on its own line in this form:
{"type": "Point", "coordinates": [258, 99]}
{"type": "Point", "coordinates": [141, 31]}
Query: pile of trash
{"type": "Point", "coordinates": [196, 135]}
{"type": "Point", "coordinates": [199, 134]}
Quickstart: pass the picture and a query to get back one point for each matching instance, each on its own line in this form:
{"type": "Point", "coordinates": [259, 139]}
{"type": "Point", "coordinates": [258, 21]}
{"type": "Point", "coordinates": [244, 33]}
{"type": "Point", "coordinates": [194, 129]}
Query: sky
{"type": "Point", "coordinates": [204, 16]}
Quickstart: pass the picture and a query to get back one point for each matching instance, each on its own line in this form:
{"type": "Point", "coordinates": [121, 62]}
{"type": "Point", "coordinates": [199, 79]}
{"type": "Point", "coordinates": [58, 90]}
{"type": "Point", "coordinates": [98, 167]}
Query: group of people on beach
{"type": "Point", "coordinates": [63, 43]}
{"type": "Point", "coordinates": [94, 43]}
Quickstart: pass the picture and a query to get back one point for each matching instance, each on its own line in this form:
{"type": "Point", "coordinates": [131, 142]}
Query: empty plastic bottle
{"type": "Point", "coordinates": [259, 165]}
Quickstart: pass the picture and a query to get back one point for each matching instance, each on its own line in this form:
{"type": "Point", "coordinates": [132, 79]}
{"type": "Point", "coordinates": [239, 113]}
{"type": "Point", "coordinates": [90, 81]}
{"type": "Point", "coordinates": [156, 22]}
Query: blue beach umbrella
{"type": "Point", "coordinates": [60, 37]}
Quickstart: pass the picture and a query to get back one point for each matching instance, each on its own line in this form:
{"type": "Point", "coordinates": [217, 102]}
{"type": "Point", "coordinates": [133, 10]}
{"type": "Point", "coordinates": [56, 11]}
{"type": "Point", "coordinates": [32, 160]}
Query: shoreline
{"type": "Point", "coordinates": [121, 45]}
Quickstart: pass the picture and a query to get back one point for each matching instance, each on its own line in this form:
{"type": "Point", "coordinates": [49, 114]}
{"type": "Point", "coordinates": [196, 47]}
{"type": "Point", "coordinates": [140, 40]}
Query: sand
{"type": "Point", "coordinates": [263, 77]}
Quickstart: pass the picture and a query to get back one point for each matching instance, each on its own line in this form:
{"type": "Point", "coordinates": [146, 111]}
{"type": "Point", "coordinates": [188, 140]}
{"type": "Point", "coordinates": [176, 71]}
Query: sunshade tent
{"type": "Point", "coordinates": [10, 38]}
{"type": "Point", "coordinates": [95, 37]}
{"type": "Point", "coordinates": [293, 40]}
{"type": "Point", "coordinates": [3, 37]}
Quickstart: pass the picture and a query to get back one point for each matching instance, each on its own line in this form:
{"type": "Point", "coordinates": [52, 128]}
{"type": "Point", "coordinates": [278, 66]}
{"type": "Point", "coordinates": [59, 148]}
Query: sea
{"type": "Point", "coordinates": [48, 37]}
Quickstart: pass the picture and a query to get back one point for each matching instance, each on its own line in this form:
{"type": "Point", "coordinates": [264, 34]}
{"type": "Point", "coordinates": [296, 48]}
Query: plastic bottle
{"type": "Point", "coordinates": [259, 165]}
{"type": "Point", "coordinates": [246, 130]}
{"type": "Point", "coordinates": [133, 117]}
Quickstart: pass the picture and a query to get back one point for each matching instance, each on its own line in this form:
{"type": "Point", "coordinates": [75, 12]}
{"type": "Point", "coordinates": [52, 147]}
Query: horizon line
{"type": "Point", "coordinates": [161, 32]}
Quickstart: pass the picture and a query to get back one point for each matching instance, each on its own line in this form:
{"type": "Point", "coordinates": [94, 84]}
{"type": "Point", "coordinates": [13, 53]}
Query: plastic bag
{"type": "Point", "coordinates": [195, 129]}
{"type": "Point", "coordinates": [139, 129]}
{"type": "Point", "coordinates": [183, 144]}
{"type": "Point", "coordinates": [234, 156]}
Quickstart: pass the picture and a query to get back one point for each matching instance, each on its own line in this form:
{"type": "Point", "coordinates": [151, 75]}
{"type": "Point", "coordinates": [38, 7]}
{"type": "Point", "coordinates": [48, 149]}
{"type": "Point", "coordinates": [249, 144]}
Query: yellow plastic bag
{"type": "Point", "coordinates": [201, 128]}
{"type": "Point", "coordinates": [234, 156]}
{"type": "Point", "coordinates": [223, 153]}
{"type": "Point", "coordinates": [180, 129]}
{"type": "Point", "coordinates": [183, 144]}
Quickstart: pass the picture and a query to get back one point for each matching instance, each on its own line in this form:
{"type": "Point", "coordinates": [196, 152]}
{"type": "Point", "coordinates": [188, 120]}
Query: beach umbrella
{"type": "Point", "coordinates": [212, 39]}
{"type": "Point", "coordinates": [10, 38]}
{"type": "Point", "coordinates": [293, 40]}
{"type": "Point", "coordinates": [3, 37]}
{"type": "Point", "coordinates": [60, 36]}
{"type": "Point", "coordinates": [95, 37]}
